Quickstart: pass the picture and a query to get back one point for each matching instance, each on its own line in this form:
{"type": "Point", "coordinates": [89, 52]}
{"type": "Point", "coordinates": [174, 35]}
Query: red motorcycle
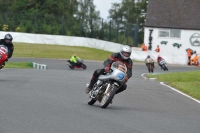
{"type": "Point", "coordinates": [79, 64]}
{"type": "Point", "coordinates": [3, 55]}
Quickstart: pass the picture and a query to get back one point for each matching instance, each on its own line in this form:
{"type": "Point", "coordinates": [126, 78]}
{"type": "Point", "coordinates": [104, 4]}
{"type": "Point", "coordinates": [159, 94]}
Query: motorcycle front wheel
{"type": "Point", "coordinates": [165, 67]}
{"type": "Point", "coordinates": [91, 101]}
{"type": "Point", "coordinates": [71, 67]}
{"type": "Point", "coordinates": [149, 69]}
{"type": "Point", "coordinates": [107, 98]}
{"type": "Point", "coordinates": [84, 66]}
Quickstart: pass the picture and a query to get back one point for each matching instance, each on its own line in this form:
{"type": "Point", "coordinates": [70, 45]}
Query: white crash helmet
{"type": "Point", "coordinates": [125, 52]}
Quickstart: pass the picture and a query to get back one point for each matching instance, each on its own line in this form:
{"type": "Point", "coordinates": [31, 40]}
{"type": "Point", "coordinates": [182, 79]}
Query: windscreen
{"type": "Point", "coordinates": [120, 66]}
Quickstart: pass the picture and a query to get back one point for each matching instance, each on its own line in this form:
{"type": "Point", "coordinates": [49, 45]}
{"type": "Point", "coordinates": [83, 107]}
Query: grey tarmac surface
{"type": "Point", "coordinates": [53, 101]}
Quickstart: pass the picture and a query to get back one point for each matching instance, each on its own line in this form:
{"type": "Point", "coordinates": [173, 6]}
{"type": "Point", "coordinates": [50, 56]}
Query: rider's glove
{"type": "Point", "coordinates": [126, 79]}
{"type": "Point", "coordinates": [106, 69]}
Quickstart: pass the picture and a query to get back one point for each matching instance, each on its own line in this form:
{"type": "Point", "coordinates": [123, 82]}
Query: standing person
{"type": "Point", "coordinates": [157, 49]}
{"type": "Point", "coordinates": [194, 60]}
{"type": "Point", "coordinates": [189, 54]}
{"type": "Point", "coordinates": [144, 47]}
{"type": "Point", "coordinates": [7, 41]}
{"type": "Point", "coordinates": [123, 56]}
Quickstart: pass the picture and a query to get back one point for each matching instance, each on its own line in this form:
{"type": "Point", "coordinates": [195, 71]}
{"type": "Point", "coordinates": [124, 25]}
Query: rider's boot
{"type": "Point", "coordinates": [89, 88]}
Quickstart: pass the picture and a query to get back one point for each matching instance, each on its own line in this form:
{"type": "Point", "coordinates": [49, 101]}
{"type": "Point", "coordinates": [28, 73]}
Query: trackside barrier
{"type": "Point", "coordinates": [38, 66]}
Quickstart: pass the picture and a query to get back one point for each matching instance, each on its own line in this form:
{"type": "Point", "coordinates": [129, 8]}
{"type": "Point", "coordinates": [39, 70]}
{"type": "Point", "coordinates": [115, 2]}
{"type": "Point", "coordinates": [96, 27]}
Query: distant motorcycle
{"type": "Point", "coordinates": [163, 65]}
{"type": "Point", "coordinates": [3, 55]}
{"type": "Point", "coordinates": [150, 65]}
{"type": "Point", "coordinates": [79, 64]}
{"type": "Point", "coordinates": [107, 85]}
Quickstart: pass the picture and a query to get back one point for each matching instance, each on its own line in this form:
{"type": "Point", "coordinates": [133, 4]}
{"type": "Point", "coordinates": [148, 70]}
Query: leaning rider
{"type": "Point", "coordinates": [4, 55]}
{"type": "Point", "coordinates": [159, 59]}
{"type": "Point", "coordinates": [123, 56]}
{"type": "Point", "coordinates": [73, 60]}
{"type": "Point", "coordinates": [149, 60]}
{"type": "Point", "coordinates": [7, 41]}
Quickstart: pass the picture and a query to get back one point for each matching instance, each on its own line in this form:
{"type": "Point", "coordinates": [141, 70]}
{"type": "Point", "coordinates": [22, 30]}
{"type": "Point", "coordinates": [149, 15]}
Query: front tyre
{"type": "Point", "coordinates": [91, 101]}
{"type": "Point", "coordinates": [107, 98]}
{"type": "Point", "coordinates": [152, 69]}
{"type": "Point", "coordinates": [166, 68]}
{"type": "Point", "coordinates": [71, 67]}
{"type": "Point", "coordinates": [84, 66]}
{"type": "Point", "coordinates": [149, 69]}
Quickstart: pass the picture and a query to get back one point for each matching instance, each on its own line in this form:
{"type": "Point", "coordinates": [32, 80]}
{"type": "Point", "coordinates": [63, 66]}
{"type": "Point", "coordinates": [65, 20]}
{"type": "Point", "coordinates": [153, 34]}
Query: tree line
{"type": "Point", "coordinates": [74, 18]}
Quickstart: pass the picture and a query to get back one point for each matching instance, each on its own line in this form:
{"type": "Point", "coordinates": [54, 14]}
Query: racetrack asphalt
{"type": "Point", "coordinates": [53, 101]}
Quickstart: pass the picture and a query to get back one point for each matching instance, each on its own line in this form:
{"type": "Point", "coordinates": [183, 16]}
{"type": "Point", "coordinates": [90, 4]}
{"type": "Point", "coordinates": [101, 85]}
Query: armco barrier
{"type": "Point", "coordinates": [38, 66]}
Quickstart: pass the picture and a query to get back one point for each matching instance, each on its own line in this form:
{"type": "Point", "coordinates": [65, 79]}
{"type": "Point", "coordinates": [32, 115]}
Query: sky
{"type": "Point", "coordinates": [103, 6]}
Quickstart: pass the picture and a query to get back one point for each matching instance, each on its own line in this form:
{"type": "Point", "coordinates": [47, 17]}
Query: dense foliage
{"type": "Point", "coordinates": [73, 18]}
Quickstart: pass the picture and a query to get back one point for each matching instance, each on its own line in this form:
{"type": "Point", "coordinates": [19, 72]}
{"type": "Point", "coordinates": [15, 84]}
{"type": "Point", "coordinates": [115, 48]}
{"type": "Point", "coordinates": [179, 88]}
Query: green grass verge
{"type": "Point", "coordinates": [55, 52]}
{"type": "Point", "coordinates": [18, 65]}
{"type": "Point", "coordinates": [58, 51]}
{"type": "Point", "coordinates": [187, 82]}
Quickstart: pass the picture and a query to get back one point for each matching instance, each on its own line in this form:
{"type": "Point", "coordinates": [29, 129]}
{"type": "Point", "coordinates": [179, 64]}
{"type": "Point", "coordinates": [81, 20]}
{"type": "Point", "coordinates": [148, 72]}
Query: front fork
{"type": "Point", "coordinates": [109, 87]}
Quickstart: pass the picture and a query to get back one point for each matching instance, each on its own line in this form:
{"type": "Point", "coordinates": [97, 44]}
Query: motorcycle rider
{"type": "Point", "coordinates": [7, 41]}
{"type": "Point", "coordinates": [151, 61]}
{"type": "Point", "coordinates": [73, 60]}
{"type": "Point", "coordinates": [123, 56]}
{"type": "Point", "coordinates": [159, 59]}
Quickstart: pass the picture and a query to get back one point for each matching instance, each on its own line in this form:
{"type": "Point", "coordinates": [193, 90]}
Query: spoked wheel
{"type": "Point", "coordinates": [91, 101]}
{"type": "Point", "coordinates": [107, 98]}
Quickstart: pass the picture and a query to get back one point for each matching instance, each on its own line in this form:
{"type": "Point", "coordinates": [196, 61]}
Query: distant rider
{"type": "Point", "coordinates": [73, 60]}
{"type": "Point", "coordinates": [159, 59]}
{"type": "Point", "coordinates": [123, 56]}
{"type": "Point", "coordinates": [7, 41]}
{"type": "Point", "coordinates": [149, 60]}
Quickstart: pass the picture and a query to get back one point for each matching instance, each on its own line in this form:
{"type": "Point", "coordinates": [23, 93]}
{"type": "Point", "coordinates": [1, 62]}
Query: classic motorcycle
{"type": "Point", "coordinates": [107, 85]}
{"type": "Point", "coordinates": [163, 65]}
{"type": "Point", "coordinates": [79, 64]}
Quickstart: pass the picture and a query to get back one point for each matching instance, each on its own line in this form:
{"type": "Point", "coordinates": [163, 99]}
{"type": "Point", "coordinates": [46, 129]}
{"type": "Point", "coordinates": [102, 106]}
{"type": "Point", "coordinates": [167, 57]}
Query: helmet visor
{"type": "Point", "coordinates": [126, 54]}
{"type": "Point", "coordinates": [8, 40]}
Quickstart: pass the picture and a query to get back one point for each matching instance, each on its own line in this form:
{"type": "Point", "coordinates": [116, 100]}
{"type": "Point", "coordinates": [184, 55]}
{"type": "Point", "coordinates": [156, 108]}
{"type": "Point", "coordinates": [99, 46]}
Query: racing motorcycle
{"type": "Point", "coordinates": [107, 85]}
{"type": "Point", "coordinates": [163, 65]}
{"type": "Point", "coordinates": [79, 64]}
{"type": "Point", "coordinates": [150, 65]}
{"type": "Point", "coordinates": [3, 55]}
